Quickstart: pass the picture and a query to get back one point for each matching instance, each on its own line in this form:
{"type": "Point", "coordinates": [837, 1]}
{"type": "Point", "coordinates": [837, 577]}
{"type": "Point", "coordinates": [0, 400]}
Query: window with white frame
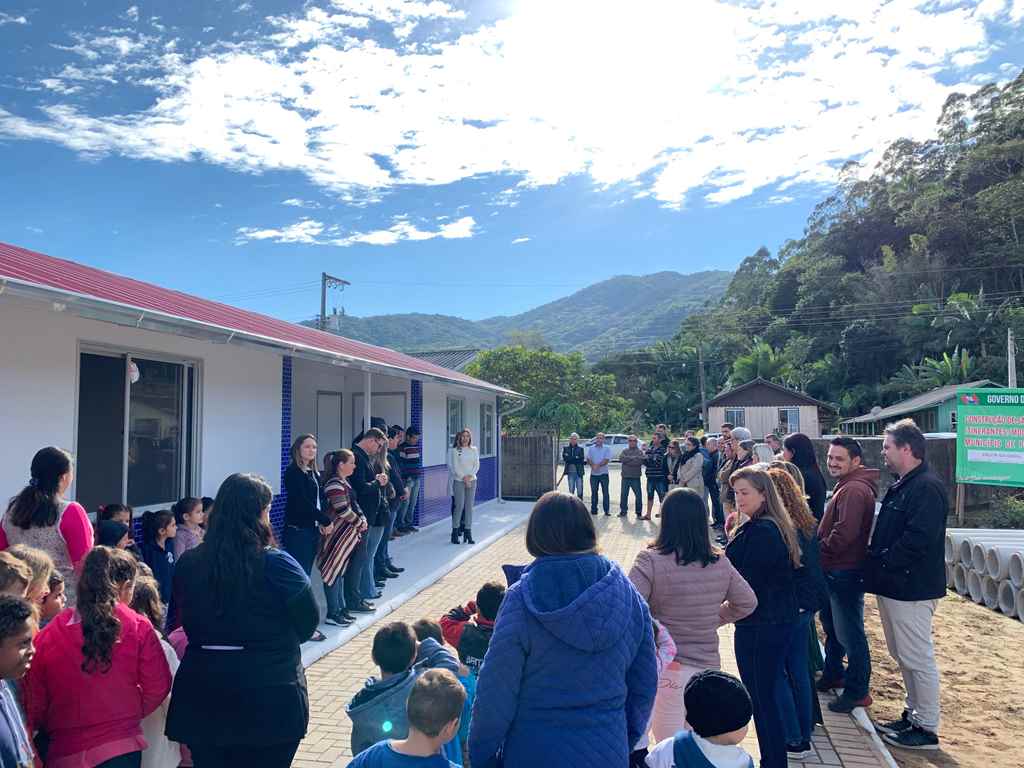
{"type": "Point", "coordinates": [486, 429]}
{"type": "Point", "coordinates": [456, 417]}
{"type": "Point", "coordinates": [736, 416]}
{"type": "Point", "coordinates": [789, 420]}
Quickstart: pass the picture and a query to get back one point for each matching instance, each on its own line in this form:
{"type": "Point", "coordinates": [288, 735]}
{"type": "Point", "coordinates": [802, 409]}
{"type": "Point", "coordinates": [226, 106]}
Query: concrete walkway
{"type": "Point", "coordinates": [336, 677]}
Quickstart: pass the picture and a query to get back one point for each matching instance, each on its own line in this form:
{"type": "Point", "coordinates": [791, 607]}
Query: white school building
{"type": "Point", "coordinates": [159, 394]}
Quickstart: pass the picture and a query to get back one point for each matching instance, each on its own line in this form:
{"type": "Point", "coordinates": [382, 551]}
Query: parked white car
{"type": "Point", "coordinates": [618, 443]}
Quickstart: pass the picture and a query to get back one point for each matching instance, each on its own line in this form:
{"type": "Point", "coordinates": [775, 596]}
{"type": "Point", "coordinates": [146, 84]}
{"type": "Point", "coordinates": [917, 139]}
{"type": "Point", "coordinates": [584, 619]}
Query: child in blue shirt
{"type": "Point", "coordinates": [17, 631]}
{"type": "Point", "coordinates": [434, 709]}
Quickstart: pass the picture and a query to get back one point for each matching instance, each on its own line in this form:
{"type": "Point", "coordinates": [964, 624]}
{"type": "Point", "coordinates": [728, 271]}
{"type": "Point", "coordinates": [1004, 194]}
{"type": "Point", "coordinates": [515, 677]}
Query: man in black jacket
{"type": "Point", "coordinates": [370, 489]}
{"type": "Point", "coordinates": [905, 568]}
{"type": "Point", "coordinates": [574, 460]}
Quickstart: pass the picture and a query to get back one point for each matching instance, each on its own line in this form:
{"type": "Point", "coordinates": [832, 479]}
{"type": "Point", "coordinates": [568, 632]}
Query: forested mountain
{"type": "Point", "coordinates": [904, 279]}
{"type": "Point", "coordinates": [620, 313]}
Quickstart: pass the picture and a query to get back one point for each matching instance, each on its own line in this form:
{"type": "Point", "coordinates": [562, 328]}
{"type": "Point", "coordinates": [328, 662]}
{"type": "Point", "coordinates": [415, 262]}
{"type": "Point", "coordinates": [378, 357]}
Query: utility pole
{"type": "Point", "coordinates": [703, 394]}
{"type": "Point", "coordinates": [328, 281]}
{"type": "Point", "coordinates": [1011, 360]}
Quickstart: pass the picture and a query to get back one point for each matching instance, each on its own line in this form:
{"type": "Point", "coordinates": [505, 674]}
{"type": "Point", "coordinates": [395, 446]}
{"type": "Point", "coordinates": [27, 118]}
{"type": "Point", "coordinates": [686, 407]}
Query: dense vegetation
{"type": "Point", "coordinates": [904, 280]}
{"type": "Point", "coordinates": [617, 314]}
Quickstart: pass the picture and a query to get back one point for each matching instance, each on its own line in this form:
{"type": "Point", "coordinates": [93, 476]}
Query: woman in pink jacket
{"type": "Point", "coordinates": [99, 670]}
{"type": "Point", "coordinates": [692, 590]}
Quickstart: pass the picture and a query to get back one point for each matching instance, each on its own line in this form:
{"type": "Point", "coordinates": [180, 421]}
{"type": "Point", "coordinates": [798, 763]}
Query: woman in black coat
{"type": "Point", "coordinates": [240, 696]}
{"type": "Point", "coordinates": [798, 449]}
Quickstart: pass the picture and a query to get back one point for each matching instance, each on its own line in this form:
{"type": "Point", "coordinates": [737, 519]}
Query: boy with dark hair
{"type": "Point", "coordinates": [17, 632]}
{"type": "Point", "coordinates": [433, 711]}
{"type": "Point", "coordinates": [425, 628]}
{"type": "Point", "coordinates": [469, 629]}
{"type": "Point", "coordinates": [718, 709]}
{"type": "Point", "coordinates": [378, 711]}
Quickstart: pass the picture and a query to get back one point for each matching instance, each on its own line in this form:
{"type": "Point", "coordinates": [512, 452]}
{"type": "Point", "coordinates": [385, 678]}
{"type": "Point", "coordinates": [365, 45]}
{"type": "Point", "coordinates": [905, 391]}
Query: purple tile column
{"type": "Point", "coordinates": [277, 507]}
{"type": "Point", "coordinates": [416, 420]}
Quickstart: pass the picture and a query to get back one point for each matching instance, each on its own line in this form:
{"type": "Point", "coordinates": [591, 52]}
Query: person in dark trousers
{"type": "Point", "coordinates": [844, 533]}
{"type": "Point", "coordinates": [303, 509]}
{"type": "Point", "coordinates": [798, 449]}
{"type": "Point", "coordinates": [599, 456]}
{"type": "Point", "coordinates": [370, 487]}
{"type": "Point", "coordinates": [906, 570]}
{"type": "Point", "coordinates": [711, 465]}
{"type": "Point", "coordinates": [631, 463]}
{"type": "Point", "coordinates": [656, 472]}
{"type": "Point", "coordinates": [239, 696]}
{"type": "Point", "coordinates": [574, 461]}
{"type": "Point", "coordinates": [766, 552]}
{"type": "Point", "coordinates": [384, 568]}
{"type": "Point", "coordinates": [410, 462]}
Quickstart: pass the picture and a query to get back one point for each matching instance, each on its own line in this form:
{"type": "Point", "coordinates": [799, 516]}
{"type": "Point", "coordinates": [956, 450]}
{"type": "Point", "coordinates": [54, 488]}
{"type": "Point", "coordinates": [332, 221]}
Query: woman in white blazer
{"type": "Point", "coordinates": [463, 465]}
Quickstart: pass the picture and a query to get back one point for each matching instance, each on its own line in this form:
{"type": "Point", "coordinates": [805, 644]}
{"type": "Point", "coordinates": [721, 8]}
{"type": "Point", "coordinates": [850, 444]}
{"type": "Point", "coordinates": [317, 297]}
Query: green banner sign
{"type": "Point", "coordinates": [990, 436]}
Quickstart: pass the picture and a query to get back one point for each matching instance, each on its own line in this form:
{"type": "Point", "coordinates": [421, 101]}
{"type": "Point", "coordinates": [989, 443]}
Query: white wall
{"type": "Point", "coordinates": [435, 418]}
{"type": "Point", "coordinates": [241, 392]}
{"type": "Point", "coordinates": [761, 420]}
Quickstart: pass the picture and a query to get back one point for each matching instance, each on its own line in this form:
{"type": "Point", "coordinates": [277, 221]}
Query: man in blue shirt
{"type": "Point", "coordinates": [599, 456]}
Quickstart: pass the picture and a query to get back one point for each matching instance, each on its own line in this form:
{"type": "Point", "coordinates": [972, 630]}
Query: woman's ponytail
{"type": "Point", "coordinates": [36, 505]}
{"type": "Point", "coordinates": [104, 573]}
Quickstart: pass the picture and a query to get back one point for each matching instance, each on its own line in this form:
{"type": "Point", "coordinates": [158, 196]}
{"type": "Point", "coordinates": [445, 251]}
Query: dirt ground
{"type": "Point", "coordinates": [981, 663]}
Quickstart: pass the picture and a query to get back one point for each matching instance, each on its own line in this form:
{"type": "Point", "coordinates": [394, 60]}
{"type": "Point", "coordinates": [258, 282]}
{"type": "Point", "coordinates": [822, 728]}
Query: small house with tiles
{"type": "Point", "coordinates": [159, 394]}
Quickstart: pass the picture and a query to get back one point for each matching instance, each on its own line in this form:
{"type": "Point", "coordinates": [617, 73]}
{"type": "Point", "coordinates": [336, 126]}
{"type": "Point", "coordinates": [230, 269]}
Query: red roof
{"type": "Point", "coordinates": [38, 269]}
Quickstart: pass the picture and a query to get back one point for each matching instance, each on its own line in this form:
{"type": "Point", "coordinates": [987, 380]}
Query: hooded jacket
{"type": "Point", "coordinates": [378, 710]}
{"type": "Point", "coordinates": [571, 672]}
{"type": "Point", "coordinates": [846, 527]}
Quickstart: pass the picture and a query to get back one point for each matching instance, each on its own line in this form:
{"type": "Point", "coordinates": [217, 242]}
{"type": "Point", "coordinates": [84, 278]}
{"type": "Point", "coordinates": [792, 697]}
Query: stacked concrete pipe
{"type": "Point", "coordinates": [987, 565]}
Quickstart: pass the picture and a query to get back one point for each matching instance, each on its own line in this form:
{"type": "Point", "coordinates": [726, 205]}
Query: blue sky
{"type": "Point", "coordinates": [471, 158]}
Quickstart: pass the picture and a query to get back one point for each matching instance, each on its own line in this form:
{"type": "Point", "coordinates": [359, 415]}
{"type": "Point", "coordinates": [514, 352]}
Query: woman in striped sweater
{"type": "Point", "coordinates": [339, 539]}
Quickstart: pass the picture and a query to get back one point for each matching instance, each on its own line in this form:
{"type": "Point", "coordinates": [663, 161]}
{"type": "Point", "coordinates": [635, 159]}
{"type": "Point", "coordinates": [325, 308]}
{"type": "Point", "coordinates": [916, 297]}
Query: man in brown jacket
{"type": "Point", "coordinates": [632, 461]}
{"type": "Point", "coordinates": [844, 533]}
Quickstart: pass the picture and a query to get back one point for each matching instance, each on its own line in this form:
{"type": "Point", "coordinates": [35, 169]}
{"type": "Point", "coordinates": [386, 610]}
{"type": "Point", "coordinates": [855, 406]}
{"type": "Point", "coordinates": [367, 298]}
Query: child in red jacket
{"type": "Point", "coordinates": [90, 697]}
{"type": "Point", "coordinates": [469, 629]}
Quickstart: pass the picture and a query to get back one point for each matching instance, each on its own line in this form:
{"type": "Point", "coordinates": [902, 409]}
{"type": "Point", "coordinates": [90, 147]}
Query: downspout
{"type": "Point", "coordinates": [517, 406]}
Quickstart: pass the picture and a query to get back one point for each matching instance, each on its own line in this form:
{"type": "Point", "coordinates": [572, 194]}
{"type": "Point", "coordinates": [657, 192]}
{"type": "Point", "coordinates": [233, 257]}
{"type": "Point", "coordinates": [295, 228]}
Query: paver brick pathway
{"type": "Point", "coordinates": [337, 677]}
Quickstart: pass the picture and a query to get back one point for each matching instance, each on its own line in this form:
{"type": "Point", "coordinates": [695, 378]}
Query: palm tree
{"type": "Point", "coordinates": [761, 360]}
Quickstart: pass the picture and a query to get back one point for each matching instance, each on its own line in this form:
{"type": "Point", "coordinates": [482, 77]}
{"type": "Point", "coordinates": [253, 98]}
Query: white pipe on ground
{"type": "Point", "coordinates": [960, 579]}
{"type": "Point", "coordinates": [990, 592]}
{"type": "Point", "coordinates": [967, 545]}
{"type": "Point", "coordinates": [974, 587]}
{"type": "Point", "coordinates": [1016, 572]}
{"type": "Point", "coordinates": [1007, 598]}
{"type": "Point", "coordinates": [997, 559]}
{"type": "Point", "coordinates": [950, 581]}
{"type": "Point", "coordinates": [1019, 603]}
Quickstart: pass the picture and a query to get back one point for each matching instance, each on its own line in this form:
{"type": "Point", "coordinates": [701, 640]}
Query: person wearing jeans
{"type": "Point", "coordinates": [906, 569]}
{"type": "Point", "coordinates": [766, 551]}
{"type": "Point", "coordinates": [573, 459]}
{"type": "Point", "coordinates": [631, 462]}
{"type": "Point", "coordinates": [843, 535]}
{"type": "Point", "coordinates": [410, 458]}
{"type": "Point", "coordinates": [599, 456]}
{"type": "Point", "coordinates": [370, 487]}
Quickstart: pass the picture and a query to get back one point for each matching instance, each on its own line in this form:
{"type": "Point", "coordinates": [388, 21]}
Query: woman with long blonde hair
{"type": "Point", "coordinates": [793, 692]}
{"type": "Point", "coordinates": [766, 552]}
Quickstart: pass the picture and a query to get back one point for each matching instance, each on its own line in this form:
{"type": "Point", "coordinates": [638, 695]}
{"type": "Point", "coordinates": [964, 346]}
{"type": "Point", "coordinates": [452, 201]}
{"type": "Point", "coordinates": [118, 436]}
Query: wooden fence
{"type": "Point", "coordinates": [527, 466]}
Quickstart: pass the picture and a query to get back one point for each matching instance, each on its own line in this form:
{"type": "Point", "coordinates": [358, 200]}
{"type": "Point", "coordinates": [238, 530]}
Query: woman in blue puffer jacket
{"type": "Point", "coordinates": [570, 674]}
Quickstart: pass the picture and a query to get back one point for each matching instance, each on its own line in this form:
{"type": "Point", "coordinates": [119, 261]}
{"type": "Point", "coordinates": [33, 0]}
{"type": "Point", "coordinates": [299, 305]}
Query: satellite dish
{"type": "Point", "coordinates": [876, 410]}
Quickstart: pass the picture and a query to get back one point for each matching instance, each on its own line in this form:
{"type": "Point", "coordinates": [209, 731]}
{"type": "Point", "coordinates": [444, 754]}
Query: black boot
{"type": "Point", "coordinates": [455, 535]}
{"type": "Point", "coordinates": [467, 537]}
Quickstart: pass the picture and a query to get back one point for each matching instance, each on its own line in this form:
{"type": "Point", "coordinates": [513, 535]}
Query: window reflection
{"type": "Point", "coordinates": [155, 427]}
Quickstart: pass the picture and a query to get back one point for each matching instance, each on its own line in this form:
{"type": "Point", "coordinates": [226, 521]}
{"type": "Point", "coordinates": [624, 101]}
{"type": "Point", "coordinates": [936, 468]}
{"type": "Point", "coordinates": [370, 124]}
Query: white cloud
{"type": "Point", "coordinates": [312, 232]}
{"type": "Point", "coordinates": [296, 202]}
{"type": "Point", "coordinates": [37, 230]}
{"type": "Point", "coordinates": [519, 240]}
{"type": "Point", "coordinates": [717, 96]}
{"type": "Point", "coordinates": [132, 14]}
{"type": "Point", "coordinates": [305, 231]}
{"type": "Point", "coordinates": [6, 18]}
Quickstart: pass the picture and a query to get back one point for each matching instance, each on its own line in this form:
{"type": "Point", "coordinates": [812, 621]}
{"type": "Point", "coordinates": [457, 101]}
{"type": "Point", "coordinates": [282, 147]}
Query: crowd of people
{"type": "Point", "coordinates": [184, 649]}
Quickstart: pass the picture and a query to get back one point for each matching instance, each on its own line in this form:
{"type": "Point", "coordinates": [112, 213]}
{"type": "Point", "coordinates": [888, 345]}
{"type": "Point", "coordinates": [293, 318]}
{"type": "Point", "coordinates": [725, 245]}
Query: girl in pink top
{"type": "Point", "coordinates": [40, 517]}
{"type": "Point", "coordinates": [99, 670]}
{"type": "Point", "coordinates": [692, 590]}
{"type": "Point", "coordinates": [190, 516]}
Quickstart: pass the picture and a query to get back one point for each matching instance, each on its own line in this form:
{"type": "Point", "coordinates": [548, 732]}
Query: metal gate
{"type": "Point", "coordinates": [527, 466]}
